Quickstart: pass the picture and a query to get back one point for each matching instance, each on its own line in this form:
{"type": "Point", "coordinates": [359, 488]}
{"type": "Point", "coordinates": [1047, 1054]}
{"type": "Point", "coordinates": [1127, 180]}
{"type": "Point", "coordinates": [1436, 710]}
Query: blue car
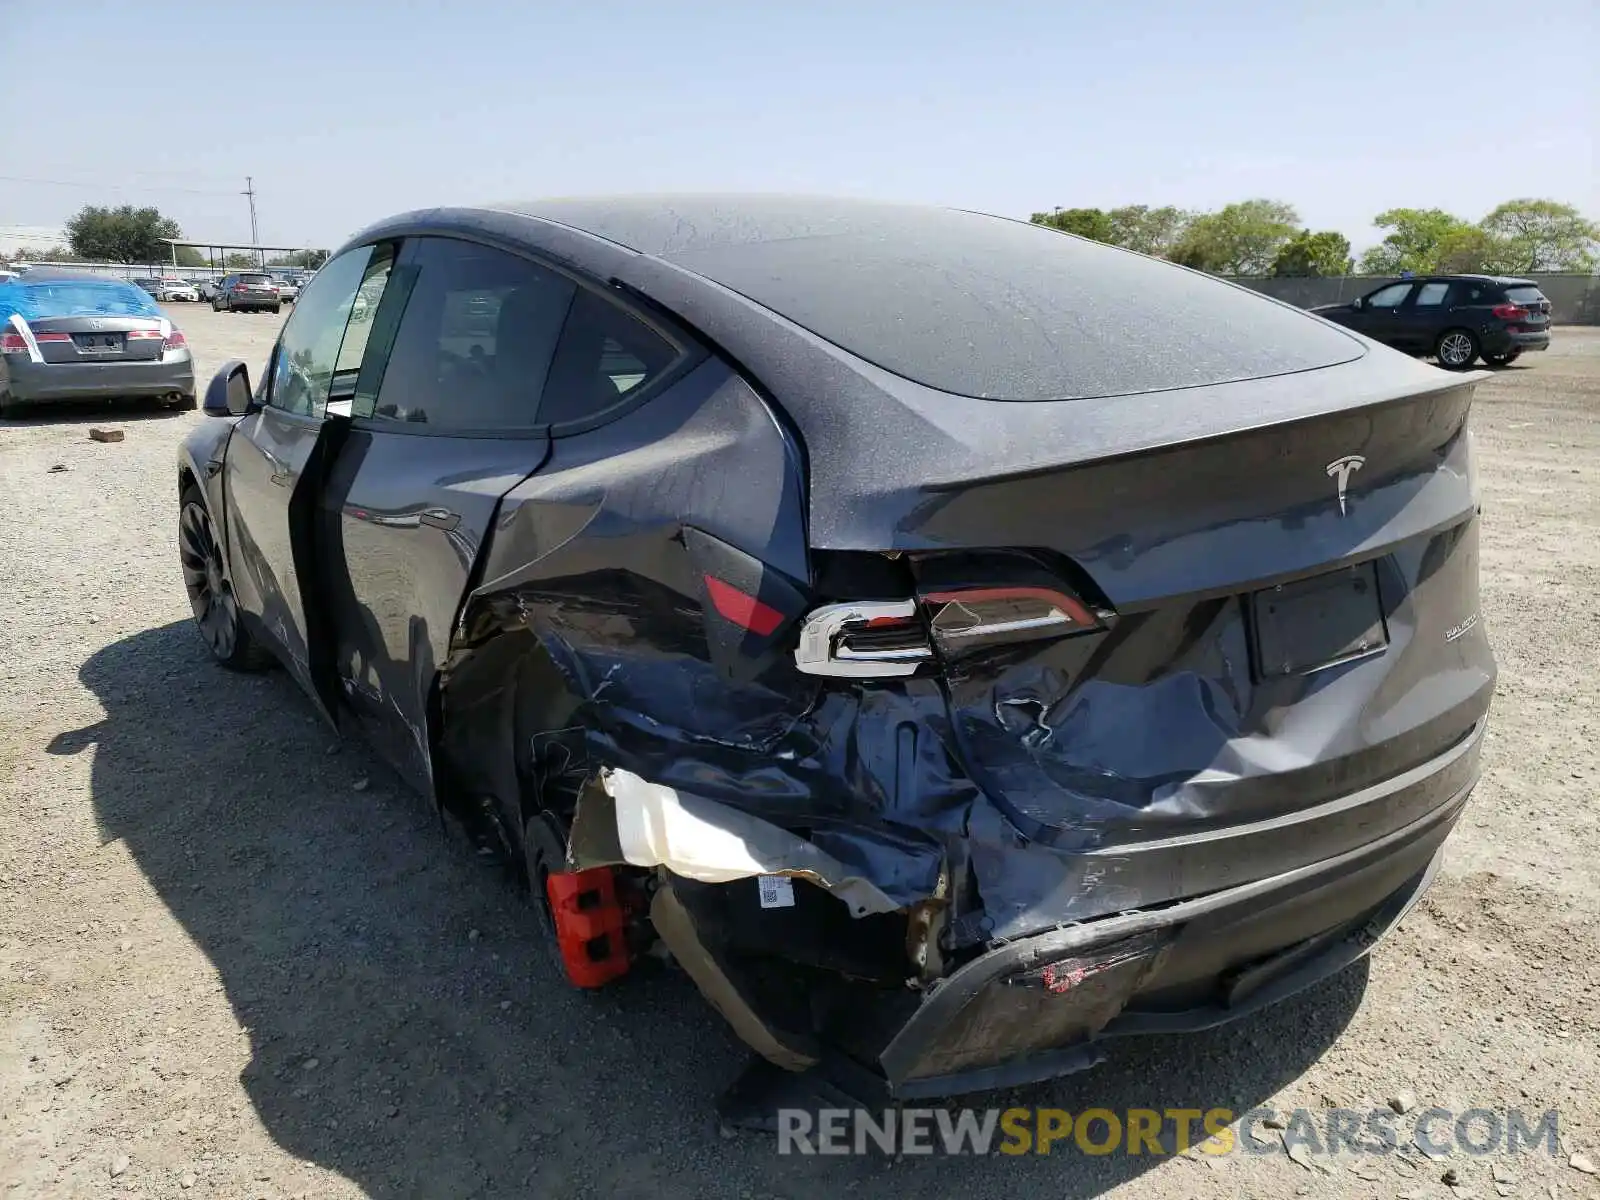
{"type": "Point", "coordinates": [70, 335]}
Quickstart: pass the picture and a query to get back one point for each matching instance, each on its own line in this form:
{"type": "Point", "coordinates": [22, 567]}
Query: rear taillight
{"type": "Point", "coordinates": [239, 287]}
{"type": "Point", "coordinates": [1509, 312]}
{"type": "Point", "coordinates": [12, 342]}
{"type": "Point", "coordinates": [143, 335]}
{"type": "Point", "coordinates": [970, 618]}
{"type": "Point", "coordinates": [881, 639]}
{"type": "Point", "coordinates": [43, 338]}
{"type": "Point", "coordinates": [175, 341]}
{"type": "Point", "coordinates": [866, 639]}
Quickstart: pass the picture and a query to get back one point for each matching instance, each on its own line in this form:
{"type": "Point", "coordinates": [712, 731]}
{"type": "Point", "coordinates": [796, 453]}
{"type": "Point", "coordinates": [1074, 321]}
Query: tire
{"type": "Point", "coordinates": [11, 409]}
{"type": "Point", "coordinates": [216, 613]}
{"type": "Point", "coordinates": [1456, 349]}
{"type": "Point", "coordinates": [185, 404]}
{"type": "Point", "coordinates": [544, 851]}
{"type": "Point", "coordinates": [274, 310]}
{"type": "Point", "coordinates": [1502, 360]}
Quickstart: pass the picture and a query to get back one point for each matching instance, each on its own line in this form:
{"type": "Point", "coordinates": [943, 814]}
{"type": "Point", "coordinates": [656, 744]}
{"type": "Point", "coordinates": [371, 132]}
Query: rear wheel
{"type": "Point", "coordinates": [210, 594]}
{"type": "Point", "coordinates": [544, 852]}
{"type": "Point", "coordinates": [1501, 360]}
{"type": "Point", "coordinates": [1456, 349]}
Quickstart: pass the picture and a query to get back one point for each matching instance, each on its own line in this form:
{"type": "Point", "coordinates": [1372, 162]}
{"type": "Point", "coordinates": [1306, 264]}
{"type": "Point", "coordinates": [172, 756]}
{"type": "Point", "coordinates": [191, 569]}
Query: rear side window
{"type": "Point", "coordinates": [605, 355]}
{"type": "Point", "coordinates": [1431, 295]}
{"type": "Point", "coordinates": [475, 342]}
{"type": "Point", "coordinates": [1525, 295]}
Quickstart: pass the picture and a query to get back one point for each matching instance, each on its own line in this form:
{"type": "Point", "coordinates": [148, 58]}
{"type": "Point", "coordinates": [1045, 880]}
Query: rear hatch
{"type": "Point", "coordinates": [98, 339]}
{"type": "Point", "coordinates": [1182, 668]}
{"type": "Point", "coordinates": [1525, 309]}
{"type": "Point", "coordinates": [255, 288]}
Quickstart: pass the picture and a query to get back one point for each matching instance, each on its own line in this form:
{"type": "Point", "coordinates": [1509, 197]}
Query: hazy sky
{"type": "Point", "coordinates": [348, 110]}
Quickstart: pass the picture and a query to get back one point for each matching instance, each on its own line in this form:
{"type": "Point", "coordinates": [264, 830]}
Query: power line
{"type": "Point", "coordinates": [111, 187]}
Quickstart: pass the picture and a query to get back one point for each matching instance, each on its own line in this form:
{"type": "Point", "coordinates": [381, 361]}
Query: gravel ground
{"type": "Point", "coordinates": [228, 967]}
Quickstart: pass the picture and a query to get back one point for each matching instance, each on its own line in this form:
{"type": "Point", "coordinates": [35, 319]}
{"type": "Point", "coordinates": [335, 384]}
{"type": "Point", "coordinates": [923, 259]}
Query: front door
{"type": "Point", "coordinates": [1378, 317]}
{"type": "Point", "coordinates": [440, 431]}
{"type": "Point", "coordinates": [276, 462]}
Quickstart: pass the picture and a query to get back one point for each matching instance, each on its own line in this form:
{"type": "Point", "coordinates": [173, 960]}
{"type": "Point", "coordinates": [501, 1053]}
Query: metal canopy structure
{"type": "Point", "coordinates": [214, 249]}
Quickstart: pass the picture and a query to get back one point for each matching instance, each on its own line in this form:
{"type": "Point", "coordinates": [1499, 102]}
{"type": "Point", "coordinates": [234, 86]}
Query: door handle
{"type": "Point", "coordinates": [441, 518]}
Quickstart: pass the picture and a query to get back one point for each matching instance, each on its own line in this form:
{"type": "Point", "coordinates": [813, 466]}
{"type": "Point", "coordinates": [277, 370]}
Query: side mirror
{"type": "Point", "coordinates": [228, 393]}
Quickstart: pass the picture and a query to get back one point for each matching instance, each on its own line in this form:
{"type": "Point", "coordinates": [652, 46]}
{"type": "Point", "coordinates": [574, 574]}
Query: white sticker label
{"type": "Point", "coordinates": [777, 891]}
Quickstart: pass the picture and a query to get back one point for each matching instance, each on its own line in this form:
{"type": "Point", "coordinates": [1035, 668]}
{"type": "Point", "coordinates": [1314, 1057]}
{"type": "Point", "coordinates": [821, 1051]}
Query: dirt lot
{"type": "Point", "coordinates": [229, 967]}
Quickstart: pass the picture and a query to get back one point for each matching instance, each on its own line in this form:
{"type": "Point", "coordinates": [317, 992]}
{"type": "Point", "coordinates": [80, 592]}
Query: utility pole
{"type": "Point", "coordinates": [250, 191]}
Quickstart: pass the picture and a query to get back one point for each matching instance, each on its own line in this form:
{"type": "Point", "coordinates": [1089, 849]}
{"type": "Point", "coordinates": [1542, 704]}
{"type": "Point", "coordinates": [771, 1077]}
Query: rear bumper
{"type": "Point", "coordinates": [1502, 342]}
{"type": "Point", "coordinates": [1041, 1006]}
{"type": "Point", "coordinates": [28, 381]}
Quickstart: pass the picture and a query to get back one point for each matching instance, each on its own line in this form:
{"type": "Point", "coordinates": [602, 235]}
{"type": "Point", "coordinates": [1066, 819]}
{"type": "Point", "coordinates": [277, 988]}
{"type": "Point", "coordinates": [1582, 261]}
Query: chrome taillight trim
{"type": "Point", "coordinates": [823, 649]}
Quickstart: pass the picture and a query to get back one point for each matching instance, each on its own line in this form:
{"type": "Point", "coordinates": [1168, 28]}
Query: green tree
{"type": "Point", "coordinates": [1085, 222]}
{"type": "Point", "coordinates": [1416, 239]}
{"type": "Point", "coordinates": [125, 234]}
{"type": "Point", "coordinates": [239, 260]}
{"type": "Point", "coordinates": [1308, 253]}
{"type": "Point", "coordinates": [1542, 235]}
{"type": "Point", "coordinates": [1241, 239]}
{"type": "Point", "coordinates": [308, 260]}
{"type": "Point", "coordinates": [1147, 230]}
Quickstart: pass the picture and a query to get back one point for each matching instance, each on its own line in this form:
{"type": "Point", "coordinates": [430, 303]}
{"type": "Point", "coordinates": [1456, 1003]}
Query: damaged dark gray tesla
{"type": "Point", "coordinates": [953, 642]}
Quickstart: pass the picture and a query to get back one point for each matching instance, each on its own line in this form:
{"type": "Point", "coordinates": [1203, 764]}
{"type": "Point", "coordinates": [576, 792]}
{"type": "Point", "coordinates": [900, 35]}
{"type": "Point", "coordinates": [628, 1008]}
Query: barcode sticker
{"type": "Point", "coordinates": [777, 891]}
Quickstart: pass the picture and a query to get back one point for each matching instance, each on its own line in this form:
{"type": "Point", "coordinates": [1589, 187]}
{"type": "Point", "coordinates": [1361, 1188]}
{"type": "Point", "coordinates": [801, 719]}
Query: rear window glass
{"type": "Point", "coordinates": [1524, 295]}
{"type": "Point", "coordinates": [35, 301]}
{"type": "Point", "coordinates": [982, 306]}
{"type": "Point", "coordinates": [255, 279]}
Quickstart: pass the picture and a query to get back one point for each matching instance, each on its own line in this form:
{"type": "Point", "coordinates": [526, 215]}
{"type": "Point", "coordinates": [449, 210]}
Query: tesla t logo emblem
{"type": "Point", "coordinates": [1340, 470]}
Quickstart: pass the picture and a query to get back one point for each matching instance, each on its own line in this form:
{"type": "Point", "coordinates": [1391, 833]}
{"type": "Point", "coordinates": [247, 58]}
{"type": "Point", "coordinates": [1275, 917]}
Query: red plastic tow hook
{"type": "Point", "coordinates": [590, 925]}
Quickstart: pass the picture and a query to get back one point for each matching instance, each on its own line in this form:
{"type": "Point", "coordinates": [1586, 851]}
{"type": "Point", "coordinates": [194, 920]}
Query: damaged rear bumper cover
{"type": "Point", "coordinates": [1033, 1007]}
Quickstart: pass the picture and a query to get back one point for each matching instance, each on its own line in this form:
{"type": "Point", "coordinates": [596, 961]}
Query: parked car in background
{"type": "Point", "coordinates": [8, 276]}
{"type": "Point", "coordinates": [170, 289]}
{"type": "Point", "coordinates": [1452, 318]}
{"type": "Point", "coordinates": [954, 643]}
{"type": "Point", "coordinates": [249, 291]}
{"type": "Point", "coordinates": [209, 288]}
{"type": "Point", "coordinates": [67, 335]}
{"type": "Point", "coordinates": [288, 290]}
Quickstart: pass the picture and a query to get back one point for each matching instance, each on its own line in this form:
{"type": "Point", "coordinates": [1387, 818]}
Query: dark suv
{"type": "Point", "coordinates": [1454, 318]}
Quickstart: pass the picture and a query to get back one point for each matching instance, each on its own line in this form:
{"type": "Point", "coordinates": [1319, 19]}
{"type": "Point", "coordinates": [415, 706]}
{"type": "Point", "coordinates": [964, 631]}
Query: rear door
{"type": "Point", "coordinates": [1424, 316]}
{"type": "Point", "coordinates": [275, 464]}
{"type": "Point", "coordinates": [445, 421]}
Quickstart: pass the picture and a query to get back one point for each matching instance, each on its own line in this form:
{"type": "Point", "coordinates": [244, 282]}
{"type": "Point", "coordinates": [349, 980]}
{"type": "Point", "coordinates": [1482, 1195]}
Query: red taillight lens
{"type": "Point", "coordinates": [175, 341]}
{"type": "Point", "coordinates": [1509, 312]}
{"type": "Point", "coordinates": [143, 335]}
{"type": "Point", "coordinates": [42, 338]}
{"type": "Point", "coordinates": [11, 342]}
{"type": "Point", "coordinates": [743, 610]}
{"type": "Point", "coordinates": [239, 287]}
